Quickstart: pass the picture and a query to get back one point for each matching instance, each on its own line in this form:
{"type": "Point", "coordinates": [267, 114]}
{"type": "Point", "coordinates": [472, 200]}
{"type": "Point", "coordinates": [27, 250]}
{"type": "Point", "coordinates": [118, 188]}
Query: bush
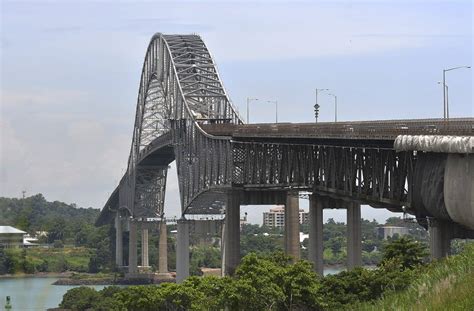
{"type": "Point", "coordinates": [80, 298]}
{"type": "Point", "coordinates": [58, 244]}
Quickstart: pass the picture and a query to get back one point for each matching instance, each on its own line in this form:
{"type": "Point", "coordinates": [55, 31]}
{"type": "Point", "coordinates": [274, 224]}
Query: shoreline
{"type": "Point", "coordinates": [66, 274]}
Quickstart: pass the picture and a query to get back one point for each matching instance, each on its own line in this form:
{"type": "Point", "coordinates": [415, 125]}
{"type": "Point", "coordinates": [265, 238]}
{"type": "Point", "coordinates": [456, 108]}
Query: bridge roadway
{"type": "Point", "coordinates": [422, 167]}
{"type": "Point", "coordinates": [381, 133]}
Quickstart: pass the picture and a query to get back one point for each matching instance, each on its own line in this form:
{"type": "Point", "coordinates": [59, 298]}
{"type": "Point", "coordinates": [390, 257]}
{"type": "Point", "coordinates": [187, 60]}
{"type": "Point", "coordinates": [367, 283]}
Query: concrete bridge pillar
{"type": "Point", "coordinates": [132, 248]}
{"type": "Point", "coordinates": [118, 241]}
{"type": "Point", "coordinates": [232, 233]}
{"type": "Point", "coordinates": [163, 250]}
{"type": "Point", "coordinates": [440, 238]}
{"type": "Point", "coordinates": [354, 237]}
{"type": "Point", "coordinates": [316, 246]}
{"type": "Point", "coordinates": [292, 225]}
{"type": "Point", "coordinates": [145, 262]}
{"type": "Point", "coordinates": [182, 251]}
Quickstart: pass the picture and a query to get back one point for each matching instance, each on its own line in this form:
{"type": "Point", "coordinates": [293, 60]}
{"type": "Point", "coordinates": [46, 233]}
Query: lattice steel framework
{"type": "Point", "coordinates": [179, 89]}
{"type": "Point", "coordinates": [180, 92]}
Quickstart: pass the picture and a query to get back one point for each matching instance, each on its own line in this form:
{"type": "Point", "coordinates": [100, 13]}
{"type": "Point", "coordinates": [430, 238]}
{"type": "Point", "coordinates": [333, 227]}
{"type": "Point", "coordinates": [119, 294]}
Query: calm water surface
{"type": "Point", "coordinates": [38, 293]}
{"type": "Point", "coordinates": [33, 293]}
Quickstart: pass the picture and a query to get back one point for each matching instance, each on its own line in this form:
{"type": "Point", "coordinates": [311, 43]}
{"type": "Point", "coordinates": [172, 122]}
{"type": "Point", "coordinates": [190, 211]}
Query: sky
{"type": "Point", "coordinates": [70, 73]}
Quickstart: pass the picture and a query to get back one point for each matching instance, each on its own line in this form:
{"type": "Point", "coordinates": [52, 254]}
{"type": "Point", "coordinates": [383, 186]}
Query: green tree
{"type": "Point", "coordinates": [408, 252]}
{"type": "Point", "coordinates": [80, 298]}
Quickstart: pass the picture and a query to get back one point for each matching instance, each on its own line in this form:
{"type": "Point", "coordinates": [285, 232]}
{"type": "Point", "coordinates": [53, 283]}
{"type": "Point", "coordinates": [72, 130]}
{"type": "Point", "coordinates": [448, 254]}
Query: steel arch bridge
{"type": "Point", "coordinates": [184, 114]}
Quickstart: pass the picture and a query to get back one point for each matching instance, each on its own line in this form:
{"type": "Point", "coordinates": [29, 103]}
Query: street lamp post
{"type": "Point", "coordinates": [276, 108]}
{"type": "Point", "coordinates": [445, 101]}
{"type": "Point", "coordinates": [446, 89]}
{"type": "Point", "coordinates": [316, 106]}
{"type": "Point", "coordinates": [335, 106]}
{"type": "Point", "coordinates": [249, 99]}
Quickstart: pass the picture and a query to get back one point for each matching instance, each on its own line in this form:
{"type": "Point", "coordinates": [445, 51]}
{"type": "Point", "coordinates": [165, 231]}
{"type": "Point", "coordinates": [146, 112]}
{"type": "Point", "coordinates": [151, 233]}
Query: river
{"type": "Point", "coordinates": [33, 293]}
{"type": "Point", "coordinates": [38, 293]}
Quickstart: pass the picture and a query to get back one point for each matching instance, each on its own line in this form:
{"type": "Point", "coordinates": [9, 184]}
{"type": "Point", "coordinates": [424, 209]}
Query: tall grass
{"type": "Point", "coordinates": [447, 284]}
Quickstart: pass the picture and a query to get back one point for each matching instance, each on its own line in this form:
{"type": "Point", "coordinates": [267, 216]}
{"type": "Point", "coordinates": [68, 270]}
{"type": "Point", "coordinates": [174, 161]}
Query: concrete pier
{"type": "Point", "coordinates": [316, 246]}
{"type": "Point", "coordinates": [118, 241]}
{"type": "Point", "coordinates": [292, 226]}
{"type": "Point", "coordinates": [163, 250]}
{"type": "Point", "coordinates": [182, 251]}
{"type": "Point", "coordinates": [440, 238]}
{"type": "Point", "coordinates": [232, 233]}
{"type": "Point", "coordinates": [132, 248]}
{"type": "Point", "coordinates": [145, 262]}
{"type": "Point", "coordinates": [354, 236]}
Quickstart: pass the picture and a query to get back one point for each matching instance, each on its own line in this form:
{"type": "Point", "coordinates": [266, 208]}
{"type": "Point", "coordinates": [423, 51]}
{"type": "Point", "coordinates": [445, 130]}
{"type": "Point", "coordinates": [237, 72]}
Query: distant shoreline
{"type": "Point", "coordinates": [66, 274]}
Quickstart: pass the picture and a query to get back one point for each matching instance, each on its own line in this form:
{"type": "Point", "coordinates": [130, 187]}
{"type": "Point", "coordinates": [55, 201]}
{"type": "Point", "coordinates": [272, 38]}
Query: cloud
{"type": "Point", "coordinates": [40, 96]}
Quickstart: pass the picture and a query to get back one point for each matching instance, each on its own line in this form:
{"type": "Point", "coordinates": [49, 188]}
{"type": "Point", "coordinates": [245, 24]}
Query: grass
{"type": "Point", "coordinates": [58, 259]}
{"type": "Point", "coordinates": [444, 285]}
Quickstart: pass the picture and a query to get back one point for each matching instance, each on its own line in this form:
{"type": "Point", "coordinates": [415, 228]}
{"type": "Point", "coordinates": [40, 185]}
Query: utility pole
{"type": "Point", "coordinates": [445, 100]}
{"type": "Point", "coordinates": [335, 106]}
{"type": "Point", "coordinates": [316, 105]}
{"type": "Point", "coordinates": [249, 99]}
{"type": "Point", "coordinates": [276, 108]}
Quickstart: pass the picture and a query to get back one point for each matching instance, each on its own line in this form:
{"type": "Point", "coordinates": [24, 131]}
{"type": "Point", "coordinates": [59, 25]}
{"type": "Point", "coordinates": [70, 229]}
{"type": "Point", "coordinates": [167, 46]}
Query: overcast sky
{"type": "Point", "coordinates": [70, 72]}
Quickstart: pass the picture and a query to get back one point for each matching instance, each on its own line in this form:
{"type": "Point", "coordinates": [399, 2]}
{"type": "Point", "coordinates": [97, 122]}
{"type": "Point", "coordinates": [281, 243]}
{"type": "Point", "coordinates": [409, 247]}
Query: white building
{"type": "Point", "coordinates": [11, 237]}
{"type": "Point", "coordinates": [275, 218]}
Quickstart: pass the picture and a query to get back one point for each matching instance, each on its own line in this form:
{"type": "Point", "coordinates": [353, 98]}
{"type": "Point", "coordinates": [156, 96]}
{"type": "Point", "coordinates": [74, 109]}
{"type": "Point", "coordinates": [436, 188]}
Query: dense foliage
{"type": "Point", "coordinates": [261, 283]}
{"type": "Point", "coordinates": [74, 242]}
{"type": "Point", "coordinates": [442, 285]}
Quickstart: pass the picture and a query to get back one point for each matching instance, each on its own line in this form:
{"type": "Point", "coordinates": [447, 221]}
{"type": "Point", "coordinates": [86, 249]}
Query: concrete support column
{"type": "Point", "coordinates": [132, 248]}
{"type": "Point", "coordinates": [440, 238]}
{"type": "Point", "coordinates": [182, 251]}
{"type": "Point", "coordinates": [232, 233]}
{"type": "Point", "coordinates": [354, 237]}
{"type": "Point", "coordinates": [223, 249]}
{"type": "Point", "coordinates": [292, 225]}
{"type": "Point", "coordinates": [118, 241]}
{"type": "Point", "coordinates": [163, 249]}
{"type": "Point", "coordinates": [316, 246]}
{"type": "Point", "coordinates": [145, 262]}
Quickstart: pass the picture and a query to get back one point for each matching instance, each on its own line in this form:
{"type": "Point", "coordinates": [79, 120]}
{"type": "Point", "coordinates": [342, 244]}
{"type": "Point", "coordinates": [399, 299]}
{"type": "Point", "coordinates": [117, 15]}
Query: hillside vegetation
{"type": "Point", "coordinates": [444, 285]}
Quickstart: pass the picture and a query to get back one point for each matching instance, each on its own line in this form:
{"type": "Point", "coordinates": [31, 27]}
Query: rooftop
{"type": "Point", "coordinates": [10, 229]}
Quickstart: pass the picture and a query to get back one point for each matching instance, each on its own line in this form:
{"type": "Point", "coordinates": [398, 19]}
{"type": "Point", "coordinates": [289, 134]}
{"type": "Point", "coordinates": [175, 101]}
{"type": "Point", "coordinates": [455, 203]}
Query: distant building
{"type": "Point", "coordinates": [11, 237]}
{"type": "Point", "coordinates": [275, 218]}
{"type": "Point", "coordinates": [385, 232]}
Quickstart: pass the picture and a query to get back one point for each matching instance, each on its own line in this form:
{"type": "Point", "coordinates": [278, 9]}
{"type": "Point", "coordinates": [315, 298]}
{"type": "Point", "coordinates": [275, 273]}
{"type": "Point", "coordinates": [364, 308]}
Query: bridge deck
{"type": "Point", "coordinates": [365, 130]}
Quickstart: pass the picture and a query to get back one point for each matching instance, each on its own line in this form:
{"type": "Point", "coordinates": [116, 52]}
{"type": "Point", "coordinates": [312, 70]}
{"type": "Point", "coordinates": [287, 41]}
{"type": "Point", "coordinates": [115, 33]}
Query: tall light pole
{"type": "Point", "coordinates": [249, 99]}
{"type": "Point", "coordinates": [446, 89]}
{"type": "Point", "coordinates": [335, 106]}
{"type": "Point", "coordinates": [276, 108]}
{"type": "Point", "coordinates": [316, 106]}
{"type": "Point", "coordinates": [445, 102]}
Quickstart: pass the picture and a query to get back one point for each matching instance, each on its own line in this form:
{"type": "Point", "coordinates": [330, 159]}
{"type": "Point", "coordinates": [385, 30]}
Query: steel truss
{"type": "Point", "coordinates": [180, 91]}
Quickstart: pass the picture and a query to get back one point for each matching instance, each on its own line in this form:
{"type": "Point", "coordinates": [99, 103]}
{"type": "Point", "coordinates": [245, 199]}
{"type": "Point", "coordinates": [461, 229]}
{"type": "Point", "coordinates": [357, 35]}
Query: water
{"type": "Point", "coordinates": [33, 293]}
{"type": "Point", "coordinates": [333, 270]}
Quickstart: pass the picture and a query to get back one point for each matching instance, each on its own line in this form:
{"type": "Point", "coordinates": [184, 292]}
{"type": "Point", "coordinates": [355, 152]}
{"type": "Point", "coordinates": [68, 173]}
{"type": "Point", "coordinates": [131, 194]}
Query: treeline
{"type": "Point", "coordinates": [78, 244]}
{"type": "Point", "coordinates": [265, 283]}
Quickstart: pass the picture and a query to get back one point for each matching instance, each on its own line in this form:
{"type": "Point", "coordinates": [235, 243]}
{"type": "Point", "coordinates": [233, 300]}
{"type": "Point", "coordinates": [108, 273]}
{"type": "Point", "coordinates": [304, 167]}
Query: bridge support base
{"type": "Point", "coordinates": [354, 237]}
{"type": "Point", "coordinates": [145, 260]}
{"type": "Point", "coordinates": [163, 272]}
{"type": "Point", "coordinates": [440, 238]}
{"type": "Point", "coordinates": [182, 251]}
{"type": "Point", "coordinates": [316, 246]}
{"type": "Point", "coordinates": [292, 226]}
{"type": "Point", "coordinates": [118, 241]}
{"type": "Point", "coordinates": [132, 248]}
{"type": "Point", "coordinates": [232, 233]}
